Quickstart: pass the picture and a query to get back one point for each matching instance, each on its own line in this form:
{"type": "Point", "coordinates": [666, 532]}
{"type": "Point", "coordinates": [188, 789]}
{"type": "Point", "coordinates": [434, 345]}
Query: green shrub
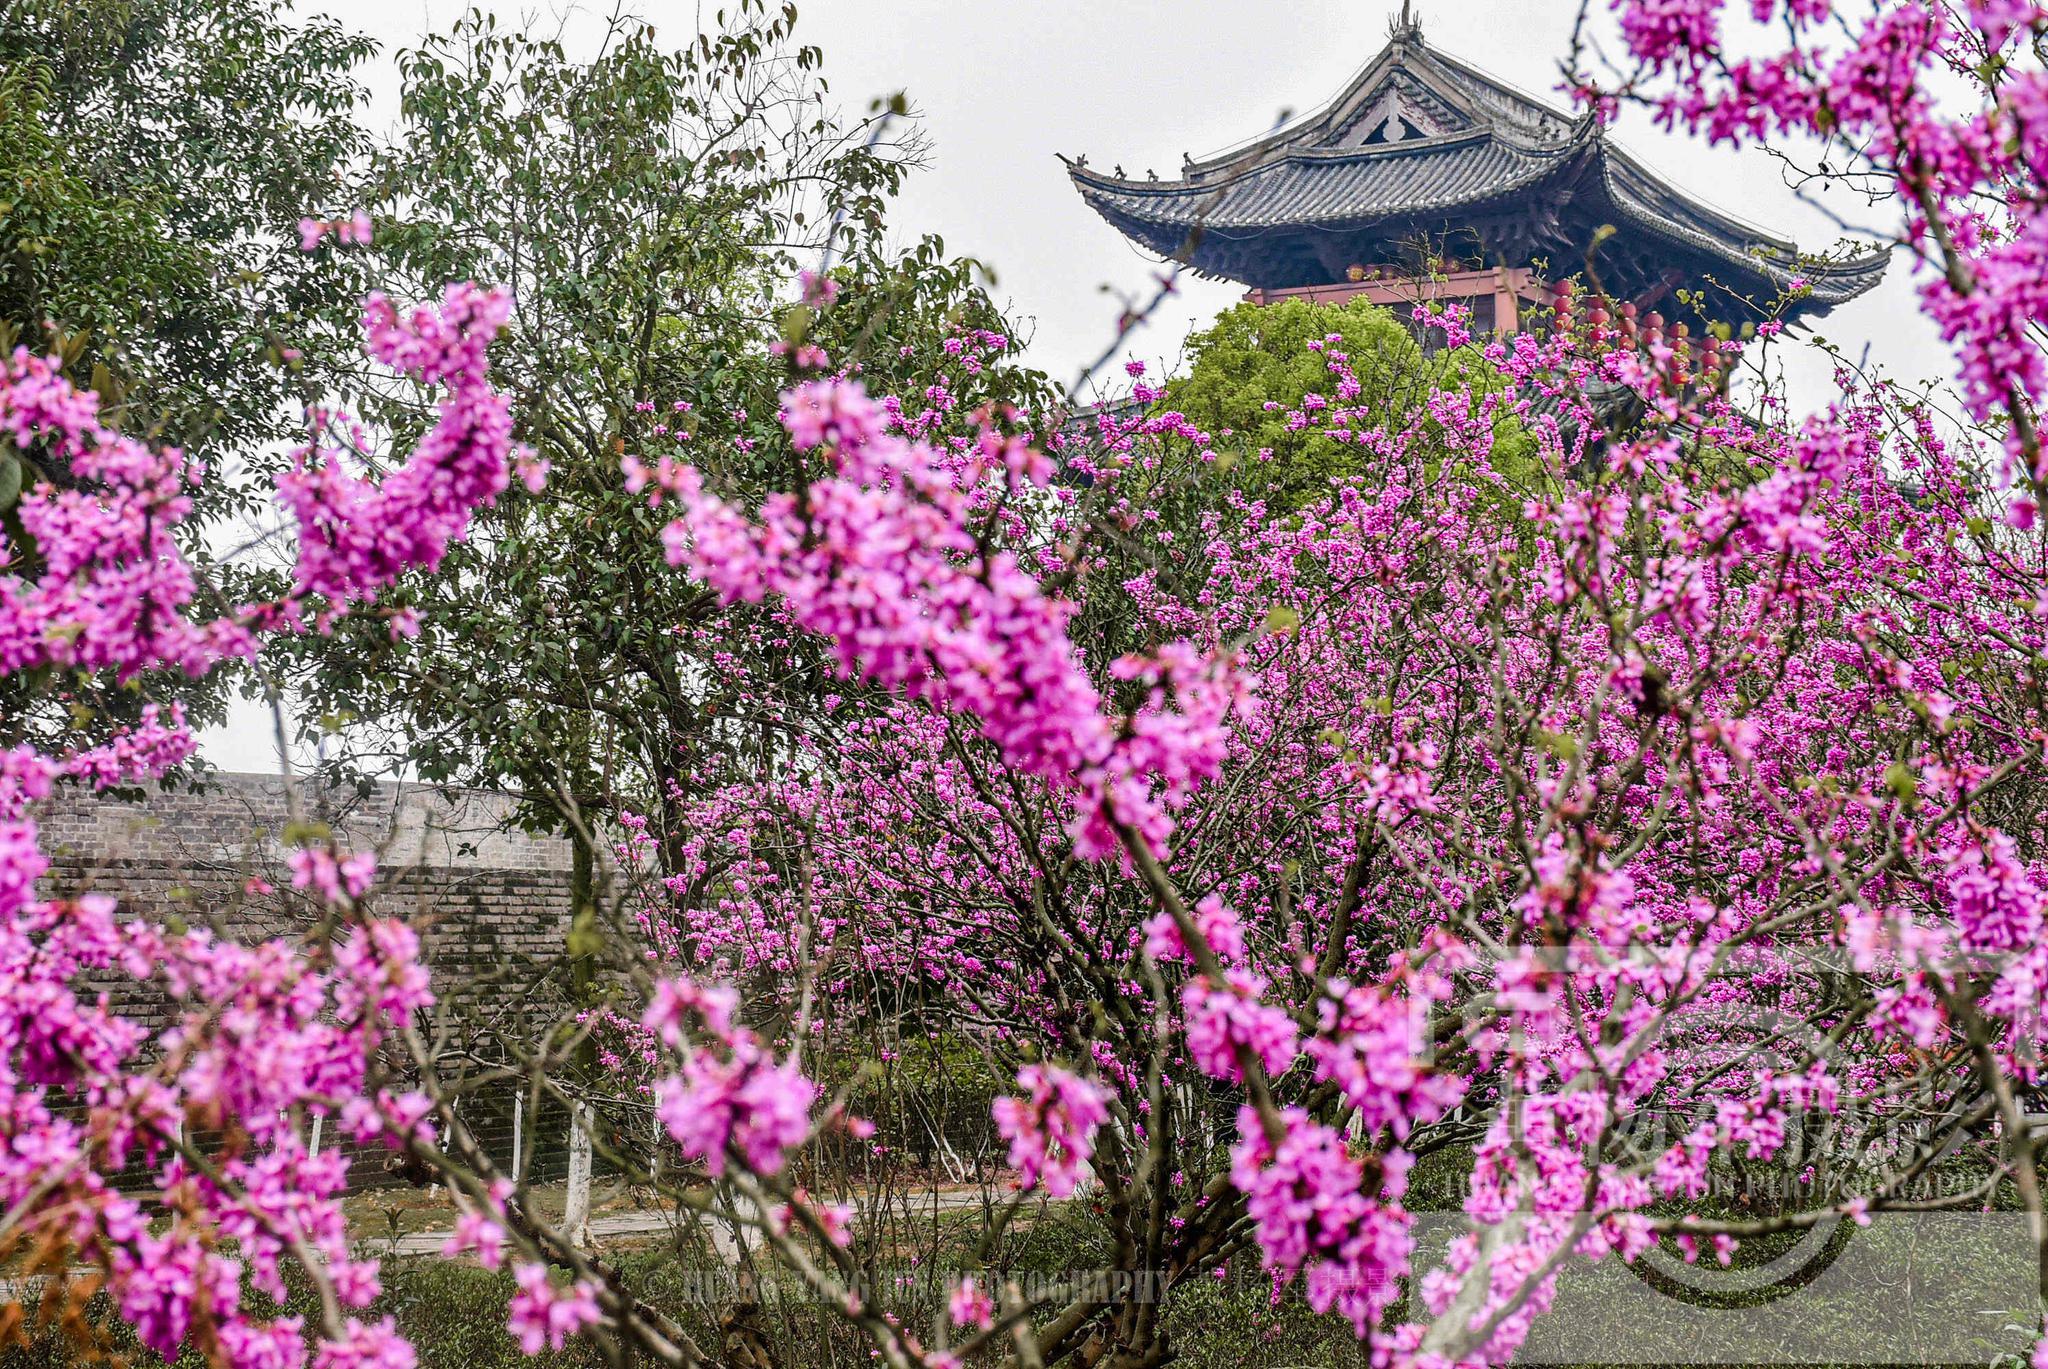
{"type": "Point", "coordinates": [1258, 354]}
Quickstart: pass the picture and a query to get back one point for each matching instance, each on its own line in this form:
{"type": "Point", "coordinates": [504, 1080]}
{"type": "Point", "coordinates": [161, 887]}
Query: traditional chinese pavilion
{"type": "Point", "coordinates": [1427, 178]}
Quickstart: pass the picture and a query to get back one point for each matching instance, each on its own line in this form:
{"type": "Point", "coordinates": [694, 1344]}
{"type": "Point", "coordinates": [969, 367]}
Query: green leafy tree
{"type": "Point", "coordinates": [649, 209]}
{"type": "Point", "coordinates": [1254, 366]}
{"type": "Point", "coordinates": [1247, 373]}
{"type": "Point", "coordinates": [95, 261]}
{"type": "Point", "coordinates": [155, 159]}
{"type": "Point", "coordinates": [158, 156]}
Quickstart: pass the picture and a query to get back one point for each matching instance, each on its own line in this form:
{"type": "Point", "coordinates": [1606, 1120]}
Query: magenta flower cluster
{"type": "Point", "coordinates": [731, 1100]}
{"type": "Point", "coordinates": [1051, 1127]}
{"type": "Point", "coordinates": [877, 556]}
{"type": "Point", "coordinates": [358, 534]}
{"type": "Point", "coordinates": [263, 1038]}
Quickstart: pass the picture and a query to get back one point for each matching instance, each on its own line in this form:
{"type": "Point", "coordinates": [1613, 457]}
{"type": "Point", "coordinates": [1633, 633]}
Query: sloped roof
{"type": "Point", "coordinates": [1329, 186]}
{"type": "Point", "coordinates": [1419, 143]}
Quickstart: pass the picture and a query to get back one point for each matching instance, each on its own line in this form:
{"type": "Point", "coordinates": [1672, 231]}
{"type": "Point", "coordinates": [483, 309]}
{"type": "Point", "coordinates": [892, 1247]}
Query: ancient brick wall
{"type": "Point", "coordinates": [491, 903]}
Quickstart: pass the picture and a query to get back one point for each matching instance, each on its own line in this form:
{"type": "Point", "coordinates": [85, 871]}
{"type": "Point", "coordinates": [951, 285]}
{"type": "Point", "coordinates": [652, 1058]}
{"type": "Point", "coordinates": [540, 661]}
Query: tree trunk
{"type": "Point", "coordinates": [576, 1211]}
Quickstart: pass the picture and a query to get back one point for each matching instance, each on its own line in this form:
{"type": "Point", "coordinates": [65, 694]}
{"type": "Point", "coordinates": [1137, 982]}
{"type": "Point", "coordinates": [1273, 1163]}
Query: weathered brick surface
{"type": "Point", "coordinates": [491, 903]}
{"type": "Point", "coordinates": [237, 816]}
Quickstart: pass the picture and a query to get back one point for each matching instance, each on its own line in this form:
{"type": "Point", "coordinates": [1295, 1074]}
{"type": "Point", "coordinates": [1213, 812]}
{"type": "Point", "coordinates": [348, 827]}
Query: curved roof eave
{"type": "Point", "coordinates": [1777, 261]}
{"type": "Point", "coordinates": [1159, 213]}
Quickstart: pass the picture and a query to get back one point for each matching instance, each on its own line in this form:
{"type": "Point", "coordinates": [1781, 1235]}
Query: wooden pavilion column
{"type": "Point", "coordinates": [1507, 313]}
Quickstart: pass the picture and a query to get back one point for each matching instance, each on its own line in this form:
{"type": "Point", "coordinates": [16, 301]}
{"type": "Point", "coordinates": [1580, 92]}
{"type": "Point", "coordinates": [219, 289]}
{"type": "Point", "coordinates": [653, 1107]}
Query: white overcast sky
{"type": "Point", "coordinates": [1002, 87]}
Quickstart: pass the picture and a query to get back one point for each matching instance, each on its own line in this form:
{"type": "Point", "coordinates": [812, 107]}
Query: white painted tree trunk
{"type": "Point", "coordinates": [576, 1211]}
{"type": "Point", "coordinates": [732, 1237]}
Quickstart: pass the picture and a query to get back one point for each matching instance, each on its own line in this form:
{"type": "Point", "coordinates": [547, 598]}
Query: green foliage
{"type": "Point", "coordinates": [649, 209]}
{"type": "Point", "coordinates": [93, 266]}
{"type": "Point", "coordinates": [634, 203]}
{"type": "Point", "coordinates": [937, 1089]}
{"type": "Point", "coordinates": [915, 299]}
{"type": "Point", "coordinates": [1234, 1323]}
{"type": "Point", "coordinates": [630, 204]}
{"type": "Point", "coordinates": [156, 157]}
{"type": "Point", "coordinates": [1254, 365]}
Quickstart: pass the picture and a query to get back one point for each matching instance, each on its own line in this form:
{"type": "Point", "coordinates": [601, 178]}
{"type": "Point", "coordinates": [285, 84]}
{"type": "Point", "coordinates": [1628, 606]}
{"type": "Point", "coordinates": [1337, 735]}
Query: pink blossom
{"type": "Point", "coordinates": [542, 1316]}
{"type": "Point", "coordinates": [367, 1346]}
{"type": "Point", "coordinates": [1308, 1201]}
{"type": "Point", "coordinates": [1051, 1129]}
{"type": "Point", "coordinates": [743, 1103]}
{"type": "Point", "coordinates": [1221, 1020]}
{"type": "Point", "coordinates": [335, 881]}
{"type": "Point", "coordinates": [476, 1233]}
{"type": "Point", "coordinates": [970, 1304]}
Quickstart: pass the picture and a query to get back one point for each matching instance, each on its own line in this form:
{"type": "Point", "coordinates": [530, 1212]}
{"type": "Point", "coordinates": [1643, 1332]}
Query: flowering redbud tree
{"type": "Point", "coordinates": [1669, 805]}
{"type": "Point", "coordinates": [261, 1037]}
{"type": "Point", "coordinates": [1706, 790]}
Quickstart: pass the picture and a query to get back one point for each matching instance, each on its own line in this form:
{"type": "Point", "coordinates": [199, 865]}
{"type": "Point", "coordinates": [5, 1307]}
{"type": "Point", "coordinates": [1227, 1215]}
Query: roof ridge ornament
{"type": "Point", "coordinates": [1405, 26]}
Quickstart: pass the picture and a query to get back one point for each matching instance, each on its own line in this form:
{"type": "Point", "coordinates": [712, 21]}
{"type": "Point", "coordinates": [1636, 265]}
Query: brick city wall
{"type": "Point", "coordinates": [491, 903]}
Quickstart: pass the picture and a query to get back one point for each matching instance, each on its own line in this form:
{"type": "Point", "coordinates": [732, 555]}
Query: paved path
{"type": "Point", "coordinates": [930, 1203]}
{"type": "Point", "coordinates": [611, 1224]}
{"type": "Point", "coordinates": [655, 1221]}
